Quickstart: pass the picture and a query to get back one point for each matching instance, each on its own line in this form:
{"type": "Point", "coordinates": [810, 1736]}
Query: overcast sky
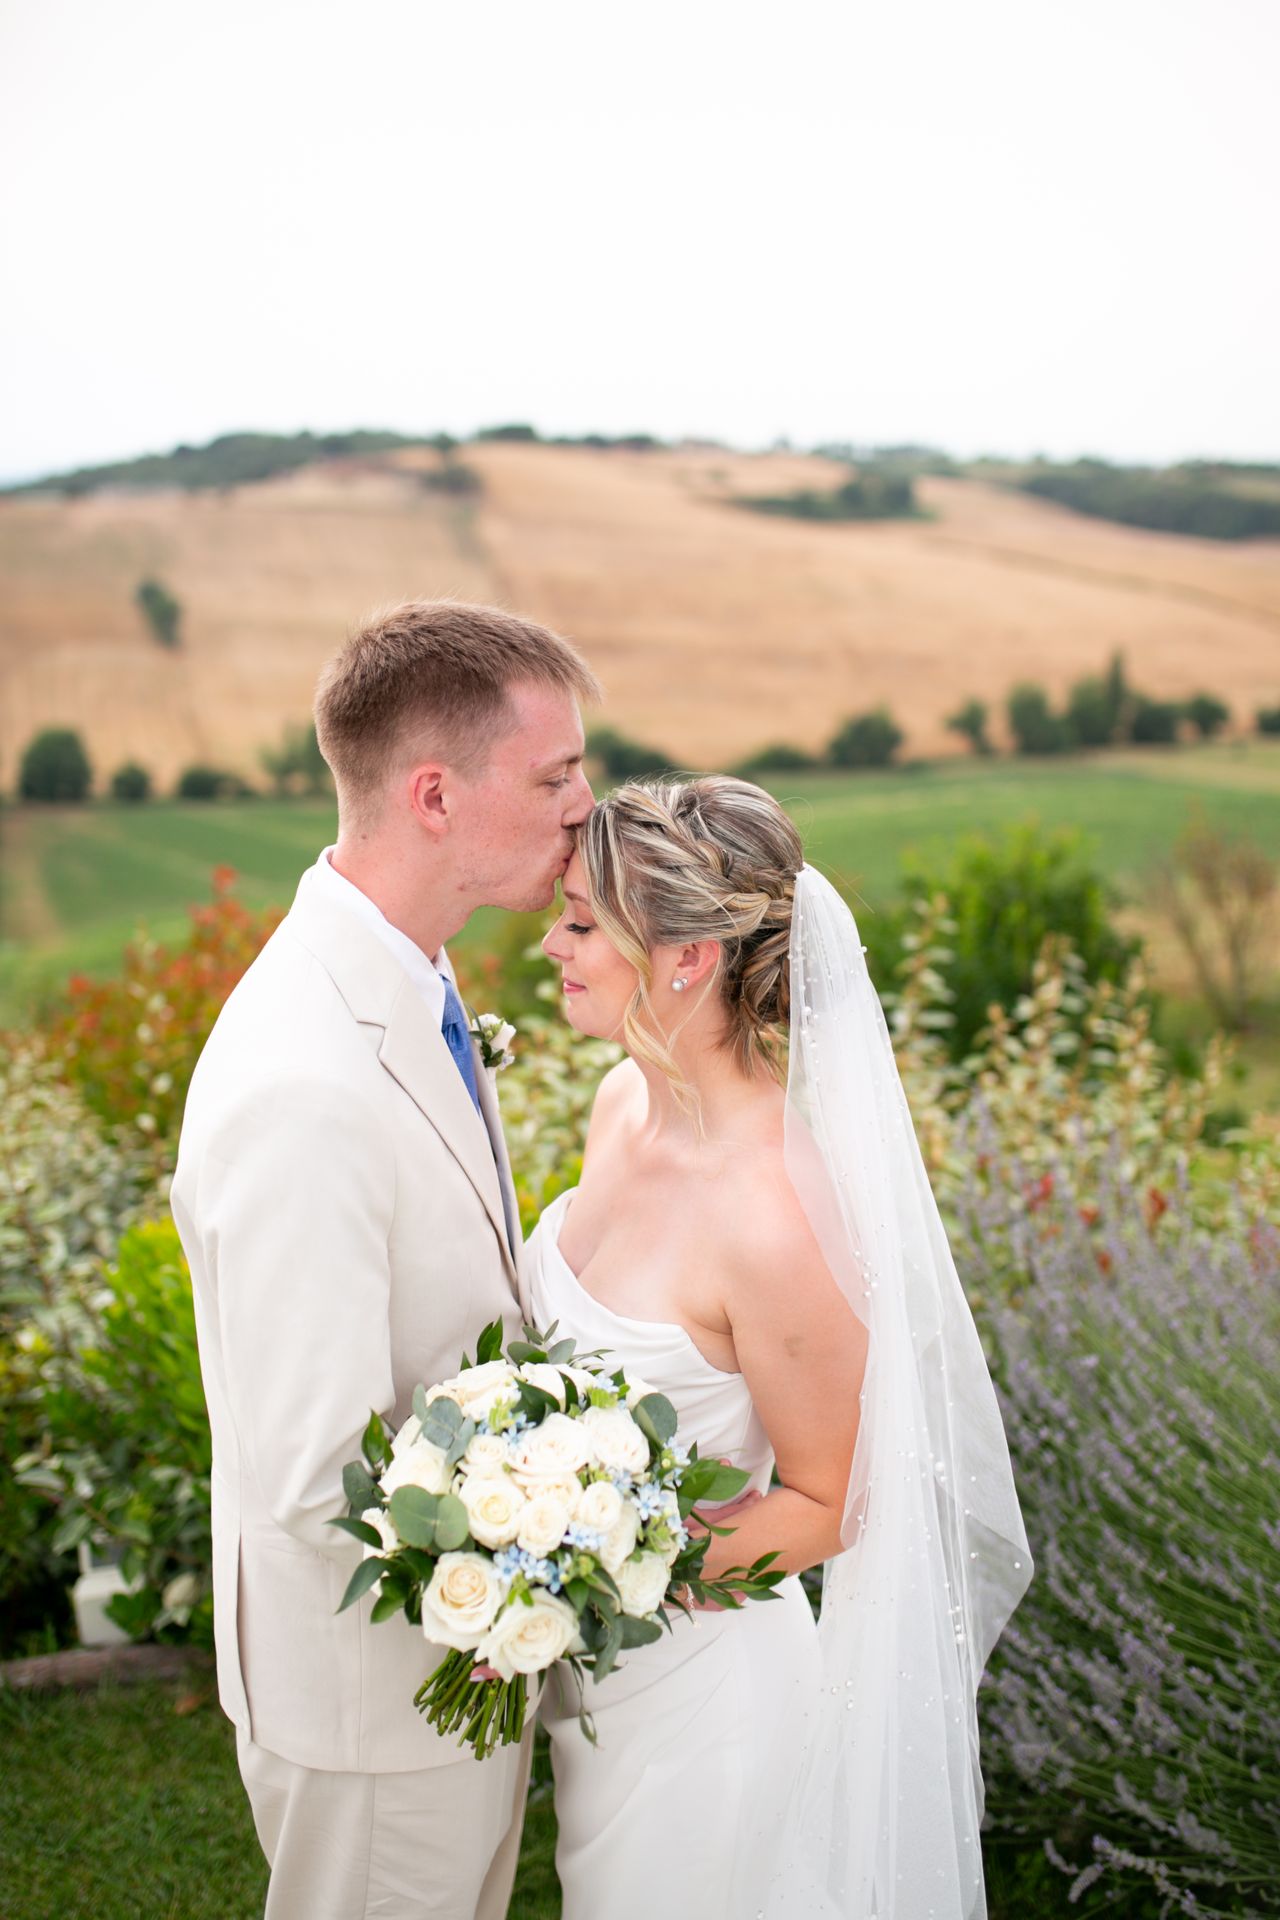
{"type": "Point", "coordinates": [1013, 225]}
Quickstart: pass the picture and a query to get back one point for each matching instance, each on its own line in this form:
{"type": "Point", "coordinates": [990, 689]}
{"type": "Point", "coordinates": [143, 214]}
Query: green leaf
{"type": "Point", "coordinates": [536, 1401]}
{"type": "Point", "coordinates": [523, 1354]}
{"type": "Point", "coordinates": [441, 1421]}
{"type": "Point", "coordinates": [360, 1582]}
{"type": "Point", "coordinates": [413, 1515]}
{"type": "Point", "coordinates": [577, 1593]}
{"type": "Point", "coordinates": [452, 1524]}
{"type": "Point", "coordinates": [725, 1482]}
{"type": "Point", "coordinates": [386, 1604]}
{"type": "Point", "coordinates": [72, 1530]}
{"type": "Point", "coordinates": [420, 1402]}
{"type": "Point", "coordinates": [609, 1652]}
{"type": "Point", "coordinates": [458, 1445]}
{"type": "Point", "coordinates": [362, 1491]}
{"type": "Point", "coordinates": [562, 1352]}
{"type": "Point", "coordinates": [489, 1345]}
{"type": "Point", "coordinates": [656, 1418]}
{"type": "Point", "coordinates": [639, 1633]}
{"type": "Point", "coordinates": [359, 1530]}
{"type": "Point", "coordinates": [374, 1443]}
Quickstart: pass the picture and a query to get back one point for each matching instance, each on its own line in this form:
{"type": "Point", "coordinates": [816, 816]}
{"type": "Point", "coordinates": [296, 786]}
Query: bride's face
{"type": "Point", "coordinates": [598, 983]}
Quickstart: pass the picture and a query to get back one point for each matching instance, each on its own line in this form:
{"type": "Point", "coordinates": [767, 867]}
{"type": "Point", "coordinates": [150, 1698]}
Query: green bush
{"type": "Point", "coordinates": [297, 764]}
{"type": "Point", "coordinates": [1032, 722]}
{"type": "Point", "coordinates": [1005, 896]}
{"type": "Point", "coordinates": [970, 722]}
{"type": "Point", "coordinates": [1267, 719]}
{"type": "Point", "coordinates": [868, 495]}
{"type": "Point", "coordinates": [162, 612]}
{"type": "Point", "coordinates": [778, 758]}
{"type": "Point", "coordinates": [1192, 499]}
{"type": "Point", "coordinates": [866, 740]}
{"type": "Point", "coordinates": [126, 1455]}
{"type": "Point", "coordinates": [208, 783]}
{"type": "Point", "coordinates": [1090, 714]}
{"type": "Point", "coordinates": [624, 759]}
{"type": "Point", "coordinates": [1207, 714]}
{"type": "Point", "coordinates": [1154, 723]}
{"type": "Point", "coordinates": [55, 767]}
{"type": "Point", "coordinates": [131, 782]}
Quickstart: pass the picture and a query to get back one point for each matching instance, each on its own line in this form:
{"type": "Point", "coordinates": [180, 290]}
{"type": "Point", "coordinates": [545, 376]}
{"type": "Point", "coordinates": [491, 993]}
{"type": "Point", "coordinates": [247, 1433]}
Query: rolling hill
{"type": "Point", "coordinates": [714, 630]}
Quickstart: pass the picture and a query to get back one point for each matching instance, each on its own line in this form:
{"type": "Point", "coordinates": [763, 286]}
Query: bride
{"type": "Point", "coordinates": [753, 1236]}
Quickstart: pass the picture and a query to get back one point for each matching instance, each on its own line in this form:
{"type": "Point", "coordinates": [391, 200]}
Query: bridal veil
{"type": "Point", "coordinates": [884, 1820]}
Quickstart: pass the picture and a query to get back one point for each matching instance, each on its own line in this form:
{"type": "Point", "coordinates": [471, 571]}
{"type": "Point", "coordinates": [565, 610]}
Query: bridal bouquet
{"type": "Point", "coordinates": [533, 1508]}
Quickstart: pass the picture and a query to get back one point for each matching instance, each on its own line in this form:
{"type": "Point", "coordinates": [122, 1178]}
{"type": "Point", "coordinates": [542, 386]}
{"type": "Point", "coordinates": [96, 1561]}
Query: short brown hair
{"type": "Point", "coordinates": [437, 670]}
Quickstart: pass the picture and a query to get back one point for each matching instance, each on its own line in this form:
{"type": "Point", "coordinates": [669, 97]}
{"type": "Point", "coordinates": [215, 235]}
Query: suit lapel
{"type": "Point", "coordinates": [379, 993]}
{"type": "Point", "coordinates": [488, 1085]}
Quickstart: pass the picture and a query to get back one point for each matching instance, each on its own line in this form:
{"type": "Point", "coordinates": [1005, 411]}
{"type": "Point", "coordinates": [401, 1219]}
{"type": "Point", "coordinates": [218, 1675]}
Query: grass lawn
{"type": "Point", "coordinates": [120, 1805]}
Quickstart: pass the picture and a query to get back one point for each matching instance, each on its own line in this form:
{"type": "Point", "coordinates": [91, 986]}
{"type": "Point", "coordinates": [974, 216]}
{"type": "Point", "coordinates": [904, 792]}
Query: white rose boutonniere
{"type": "Point", "coordinates": [493, 1035]}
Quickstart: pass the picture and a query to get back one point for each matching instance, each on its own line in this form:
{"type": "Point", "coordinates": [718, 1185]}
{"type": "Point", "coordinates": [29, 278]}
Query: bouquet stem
{"type": "Point", "coordinates": [485, 1714]}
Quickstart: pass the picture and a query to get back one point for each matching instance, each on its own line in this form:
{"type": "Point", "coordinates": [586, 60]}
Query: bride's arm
{"type": "Point", "coordinates": [802, 1352]}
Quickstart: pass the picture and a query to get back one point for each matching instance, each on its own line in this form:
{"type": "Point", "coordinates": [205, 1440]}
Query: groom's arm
{"type": "Point", "coordinates": [301, 1192]}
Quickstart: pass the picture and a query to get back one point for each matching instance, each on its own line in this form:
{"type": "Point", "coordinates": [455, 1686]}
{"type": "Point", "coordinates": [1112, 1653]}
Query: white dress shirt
{"type": "Point", "coordinates": [427, 976]}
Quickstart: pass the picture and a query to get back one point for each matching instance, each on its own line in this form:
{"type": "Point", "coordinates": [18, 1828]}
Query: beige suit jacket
{"type": "Point", "coordinates": [342, 1211]}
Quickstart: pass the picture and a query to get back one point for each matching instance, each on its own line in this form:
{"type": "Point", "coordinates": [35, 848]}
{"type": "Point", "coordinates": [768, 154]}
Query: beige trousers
{"type": "Point", "coordinates": [440, 1844]}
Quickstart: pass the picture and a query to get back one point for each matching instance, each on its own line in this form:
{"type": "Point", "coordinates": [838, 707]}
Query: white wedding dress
{"type": "Point", "coordinates": [677, 1811]}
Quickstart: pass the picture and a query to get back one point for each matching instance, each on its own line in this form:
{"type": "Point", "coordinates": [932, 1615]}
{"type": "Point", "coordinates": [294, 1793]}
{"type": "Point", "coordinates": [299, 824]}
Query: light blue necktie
{"type": "Point", "coordinates": [457, 1037]}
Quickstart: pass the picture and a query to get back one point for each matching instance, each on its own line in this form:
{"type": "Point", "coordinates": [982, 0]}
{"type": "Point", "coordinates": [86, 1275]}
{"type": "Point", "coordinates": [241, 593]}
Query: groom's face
{"type": "Point", "coordinates": [517, 817]}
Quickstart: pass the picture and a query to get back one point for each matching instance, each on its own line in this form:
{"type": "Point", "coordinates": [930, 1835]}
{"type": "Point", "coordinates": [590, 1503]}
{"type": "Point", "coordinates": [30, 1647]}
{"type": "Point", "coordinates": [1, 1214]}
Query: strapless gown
{"type": "Point", "coordinates": [677, 1811]}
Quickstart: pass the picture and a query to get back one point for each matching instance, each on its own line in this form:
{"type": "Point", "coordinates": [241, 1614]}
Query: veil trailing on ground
{"type": "Point", "coordinates": [885, 1814]}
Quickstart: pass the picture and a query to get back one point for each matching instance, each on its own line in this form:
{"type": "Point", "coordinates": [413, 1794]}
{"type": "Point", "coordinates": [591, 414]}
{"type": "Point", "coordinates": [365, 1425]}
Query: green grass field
{"type": "Point", "coordinates": [118, 1807]}
{"type": "Point", "coordinates": [75, 883]}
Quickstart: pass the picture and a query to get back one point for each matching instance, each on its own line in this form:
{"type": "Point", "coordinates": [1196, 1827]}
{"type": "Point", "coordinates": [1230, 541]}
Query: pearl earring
{"type": "Point", "coordinates": [678, 986]}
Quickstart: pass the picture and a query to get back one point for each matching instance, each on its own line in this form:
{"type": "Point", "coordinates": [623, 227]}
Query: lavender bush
{"type": "Point", "coordinates": [1132, 1711]}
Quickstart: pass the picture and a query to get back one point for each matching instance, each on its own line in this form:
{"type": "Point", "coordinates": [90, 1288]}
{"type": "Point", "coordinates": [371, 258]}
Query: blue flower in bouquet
{"type": "Point", "coordinates": [585, 1539]}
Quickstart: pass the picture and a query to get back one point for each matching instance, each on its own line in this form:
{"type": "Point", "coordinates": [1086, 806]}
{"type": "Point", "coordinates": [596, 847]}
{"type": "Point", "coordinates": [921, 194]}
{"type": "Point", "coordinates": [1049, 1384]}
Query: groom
{"type": "Point", "coordinates": [345, 1202]}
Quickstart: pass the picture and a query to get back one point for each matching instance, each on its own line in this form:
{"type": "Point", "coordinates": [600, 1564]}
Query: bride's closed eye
{"type": "Point", "coordinates": [571, 926]}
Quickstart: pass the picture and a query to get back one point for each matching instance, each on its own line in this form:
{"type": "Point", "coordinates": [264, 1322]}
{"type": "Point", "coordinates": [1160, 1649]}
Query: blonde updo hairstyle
{"type": "Point", "coordinates": [712, 858]}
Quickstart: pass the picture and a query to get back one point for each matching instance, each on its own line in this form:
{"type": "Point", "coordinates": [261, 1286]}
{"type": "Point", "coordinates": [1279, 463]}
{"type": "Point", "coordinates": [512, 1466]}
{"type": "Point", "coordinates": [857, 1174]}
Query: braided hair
{"type": "Point", "coordinates": [713, 858]}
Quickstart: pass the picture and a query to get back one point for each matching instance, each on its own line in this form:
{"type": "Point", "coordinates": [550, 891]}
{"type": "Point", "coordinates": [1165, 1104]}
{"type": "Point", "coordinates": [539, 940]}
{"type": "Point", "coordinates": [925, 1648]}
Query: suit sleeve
{"type": "Point", "coordinates": [296, 1237]}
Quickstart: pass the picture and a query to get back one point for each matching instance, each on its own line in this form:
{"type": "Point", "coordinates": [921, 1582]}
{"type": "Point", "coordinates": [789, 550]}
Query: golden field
{"type": "Point", "coordinates": [714, 630]}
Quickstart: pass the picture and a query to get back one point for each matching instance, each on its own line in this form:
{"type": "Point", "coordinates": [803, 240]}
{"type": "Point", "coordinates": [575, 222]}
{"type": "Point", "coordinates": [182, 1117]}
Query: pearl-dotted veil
{"type": "Point", "coordinates": [886, 1810]}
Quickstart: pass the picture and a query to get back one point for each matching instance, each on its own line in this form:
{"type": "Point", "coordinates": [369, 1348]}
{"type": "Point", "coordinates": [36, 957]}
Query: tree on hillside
{"type": "Point", "coordinates": [1154, 723]}
{"type": "Point", "coordinates": [1091, 712]}
{"type": "Point", "coordinates": [55, 766]}
{"type": "Point", "coordinates": [866, 740]}
{"type": "Point", "coordinates": [623, 759]}
{"type": "Point", "coordinates": [161, 611]}
{"type": "Point", "coordinates": [970, 722]}
{"type": "Point", "coordinates": [297, 764]}
{"type": "Point", "coordinates": [1033, 723]}
{"type": "Point", "coordinates": [1267, 719]}
{"type": "Point", "coordinates": [1207, 714]}
{"type": "Point", "coordinates": [131, 782]}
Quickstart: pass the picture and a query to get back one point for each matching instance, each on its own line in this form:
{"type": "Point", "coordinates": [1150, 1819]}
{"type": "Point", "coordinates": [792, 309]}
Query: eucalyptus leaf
{"type": "Point", "coordinates": [656, 1418]}
{"type": "Point", "coordinates": [441, 1421]}
{"type": "Point", "coordinates": [524, 1354]}
{"type": "Point", "coordinates": [360, 1488]}
{"type": "Point", "coordinates": [420, 1401]}
{"type": "Point", "coordinates": [562, 1351]}
{"type": "Point", "coordinates": [639, 1633]}
{"type": "Point", "coordinates": [458, 1445]}
{"type": "Point", "coordinates": [365, 1575]}
{"type": "Point", "coordinates": [359, 1530]}
{"type": "Point", "coordinates": [413, 1514]}
{"type": "Point", "coordinates": [452, 1523]}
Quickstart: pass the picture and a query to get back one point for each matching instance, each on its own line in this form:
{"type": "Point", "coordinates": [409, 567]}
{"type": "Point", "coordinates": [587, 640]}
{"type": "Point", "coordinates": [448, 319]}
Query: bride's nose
{"type": "Point", "coordinates": [549, 946]}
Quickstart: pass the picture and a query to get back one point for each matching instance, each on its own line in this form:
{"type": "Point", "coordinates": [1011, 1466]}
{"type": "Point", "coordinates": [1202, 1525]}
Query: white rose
{"type": "Point", "coordinates": [637, 1389]}
{"type": "Point", "coordinates": [544, 1521]}
{"type": "Point", "coordinates": [642, 1584]}
{"type": "Point", "coordinates": [563, 1487]}
{"type": "Point", "coordinates": [541, 1374]}
{"type": "Point", "coordinates": [600, 1507]}
{"type": "Point", "coordinates": [620, 1544]}
{"type": "Point", "coordinates": [380, 1520]}
{"type": "Point", "coordinates": [459, 1604]}
{"type": "Point", "coordinates": [549, 1452]}
{"type": "Point", "coordinates": [418, 1465]}
{"type": "Point", "coordinates": [527, 1639]}
{"type": "Point", "coordinates": [583, 1379]}
{"type": "Point", "coordinates": [615, 1439]}
{"type": "Point", "coordinates": [482, 1387]}
{"type": "Point", "coordinates": [486, 1453]}
{"type": "Point", "coordinates": [493, 1503]}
